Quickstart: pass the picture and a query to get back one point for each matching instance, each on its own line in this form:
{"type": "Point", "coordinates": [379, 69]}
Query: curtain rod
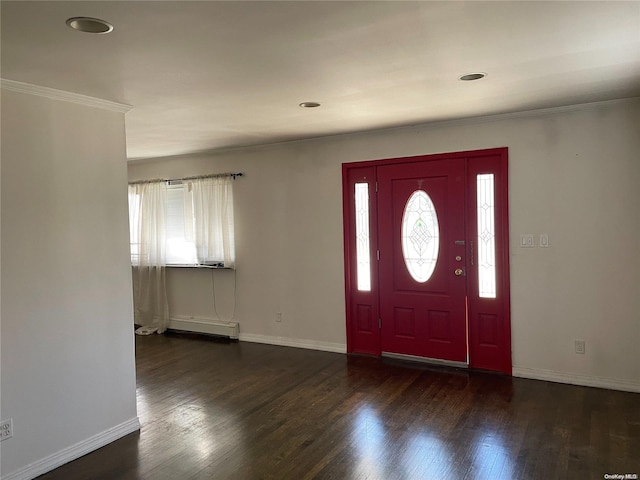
{"type": "Point", "coordinates": [195, 177]}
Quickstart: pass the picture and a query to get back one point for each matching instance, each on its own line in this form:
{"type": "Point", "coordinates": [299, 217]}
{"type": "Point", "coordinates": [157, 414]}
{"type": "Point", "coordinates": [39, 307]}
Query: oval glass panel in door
{"type": "Point", "coordinates": [420, 236]}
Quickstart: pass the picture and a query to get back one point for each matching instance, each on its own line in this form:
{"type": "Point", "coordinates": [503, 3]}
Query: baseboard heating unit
{"type": "Point", "coordinates": [205, 326]}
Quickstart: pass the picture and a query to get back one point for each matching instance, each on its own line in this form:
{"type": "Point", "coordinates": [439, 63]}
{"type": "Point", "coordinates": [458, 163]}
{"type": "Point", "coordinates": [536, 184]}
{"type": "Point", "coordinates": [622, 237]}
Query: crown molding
{"type": "Point", "coordinates": [54, 94]}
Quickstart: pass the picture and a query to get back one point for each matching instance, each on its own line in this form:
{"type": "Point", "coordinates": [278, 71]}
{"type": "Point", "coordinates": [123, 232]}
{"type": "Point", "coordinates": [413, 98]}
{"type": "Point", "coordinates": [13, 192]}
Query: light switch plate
{"type": "Point", "coordinates": [544, 240]}
{"type": "Point", "coordinates": [526, 240]}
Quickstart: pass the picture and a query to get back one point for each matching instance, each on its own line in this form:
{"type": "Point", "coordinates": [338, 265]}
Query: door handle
{"type": "Point", "coordinates": [458, 272]}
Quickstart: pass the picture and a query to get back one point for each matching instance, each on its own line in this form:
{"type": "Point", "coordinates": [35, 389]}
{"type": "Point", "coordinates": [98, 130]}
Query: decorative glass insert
{"type": "Point", "coordinates": [363, 248]}
{"type": "Point", "coordinates": [420, 236]}
{"type": "Point", "coordinates": [486, 236]}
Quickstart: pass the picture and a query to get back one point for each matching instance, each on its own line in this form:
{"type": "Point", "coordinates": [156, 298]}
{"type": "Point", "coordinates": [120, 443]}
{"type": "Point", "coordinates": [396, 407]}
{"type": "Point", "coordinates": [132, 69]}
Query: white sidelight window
{"type": "Point", "coordinates": [363, 244]}
{"type": "Point", "coordinates": [486, 236]}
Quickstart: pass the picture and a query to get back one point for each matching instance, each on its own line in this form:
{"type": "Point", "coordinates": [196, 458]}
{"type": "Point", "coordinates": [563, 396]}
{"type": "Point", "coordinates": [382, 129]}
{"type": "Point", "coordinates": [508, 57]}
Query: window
{"type": "Point", "coordinates": [420, 236]}
{"type": "Point", "coordinates": [134, 220]}
{"type": "Point", "coordinates": [363, 250]}
{"type": "Point", "coordinates": [486, 236]}
{"type": "Point", "coordinates": [187, 223]}
{"type": "Point", "coordinates": [180, 249]}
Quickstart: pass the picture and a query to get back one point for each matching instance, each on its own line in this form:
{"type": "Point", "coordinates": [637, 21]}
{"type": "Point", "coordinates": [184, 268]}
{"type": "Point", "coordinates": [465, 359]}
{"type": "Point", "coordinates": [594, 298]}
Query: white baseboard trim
{"type": "Point", "coordinates": [577, 379]}
{"type": "Point", "coordinates": [294, 342]}
{"type": "Point", "coordinates": [68, 454]}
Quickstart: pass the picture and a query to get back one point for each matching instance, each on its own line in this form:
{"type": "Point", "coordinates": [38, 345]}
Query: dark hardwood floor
{"type": "Point", "coordinates": [249, 411]}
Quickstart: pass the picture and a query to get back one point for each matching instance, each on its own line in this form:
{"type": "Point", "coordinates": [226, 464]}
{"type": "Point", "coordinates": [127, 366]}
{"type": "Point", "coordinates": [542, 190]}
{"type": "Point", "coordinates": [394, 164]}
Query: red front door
{"type": "Point", "coordinates": [427, 258]}
{"type": "Point", "coordinates": [421, 231]}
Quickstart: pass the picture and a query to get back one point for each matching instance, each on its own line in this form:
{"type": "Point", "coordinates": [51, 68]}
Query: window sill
{"type": "Point", "coordinates": [215, 267]}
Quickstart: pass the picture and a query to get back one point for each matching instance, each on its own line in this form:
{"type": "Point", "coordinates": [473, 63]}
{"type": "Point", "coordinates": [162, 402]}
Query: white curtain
{"type": "Point", "coordinates": [147, 224]}
{"type": "Point", "coordinates": [209, 202]}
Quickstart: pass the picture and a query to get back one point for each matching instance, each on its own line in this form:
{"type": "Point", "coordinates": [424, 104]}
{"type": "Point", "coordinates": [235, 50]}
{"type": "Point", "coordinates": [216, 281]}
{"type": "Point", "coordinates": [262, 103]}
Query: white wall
{"type": "Point", "coordinates": [68, 371]}
{"type": "Point", "coordinates": [574, 174]}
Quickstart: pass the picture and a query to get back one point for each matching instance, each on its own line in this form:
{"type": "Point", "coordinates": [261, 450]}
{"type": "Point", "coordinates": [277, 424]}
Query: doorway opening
{"type": "Point", "coordinates": [426, 244]}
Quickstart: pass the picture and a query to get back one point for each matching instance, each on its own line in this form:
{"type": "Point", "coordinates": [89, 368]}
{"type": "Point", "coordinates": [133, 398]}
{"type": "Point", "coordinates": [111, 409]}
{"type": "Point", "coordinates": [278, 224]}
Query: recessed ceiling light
{"type": "Point", "coordinates": [472, 76]}
{"type": "Point", "coordinates": [89, 25]}
{"type": "Point", "coordinates": [309, 104]}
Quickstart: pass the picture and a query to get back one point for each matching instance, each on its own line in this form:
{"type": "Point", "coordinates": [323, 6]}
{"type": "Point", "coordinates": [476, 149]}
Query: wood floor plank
{"type": "Point", "coordinates": [212, 410]}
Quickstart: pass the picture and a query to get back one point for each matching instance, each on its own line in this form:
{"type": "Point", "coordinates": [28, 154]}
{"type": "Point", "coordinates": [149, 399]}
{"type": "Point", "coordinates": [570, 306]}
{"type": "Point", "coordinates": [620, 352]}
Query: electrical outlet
{"type": "Point", "coordinates": [580, 346]}
{"type": "Point", "coordinates": [278, 317]}
{"type": "Point", "coordinates": [6, 429]}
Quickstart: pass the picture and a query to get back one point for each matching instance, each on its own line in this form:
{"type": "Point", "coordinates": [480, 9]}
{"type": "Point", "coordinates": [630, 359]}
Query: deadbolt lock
{"type": "Point", "coordinates": [459, 272]}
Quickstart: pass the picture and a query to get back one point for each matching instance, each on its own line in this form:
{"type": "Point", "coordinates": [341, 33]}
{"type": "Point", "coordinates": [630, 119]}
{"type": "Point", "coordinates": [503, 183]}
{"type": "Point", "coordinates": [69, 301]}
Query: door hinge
{"type": "Point", "coordinates": [376, 185]}
{"type": "Point", "coordinates": [379, 323]}
{"type": "Point", "coordinates": [378, 254]}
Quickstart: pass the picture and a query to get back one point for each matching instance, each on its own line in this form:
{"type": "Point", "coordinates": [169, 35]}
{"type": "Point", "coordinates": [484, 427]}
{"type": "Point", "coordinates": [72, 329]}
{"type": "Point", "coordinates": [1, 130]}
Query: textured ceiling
{"type": "Point", "coordinates": [209, 75]}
